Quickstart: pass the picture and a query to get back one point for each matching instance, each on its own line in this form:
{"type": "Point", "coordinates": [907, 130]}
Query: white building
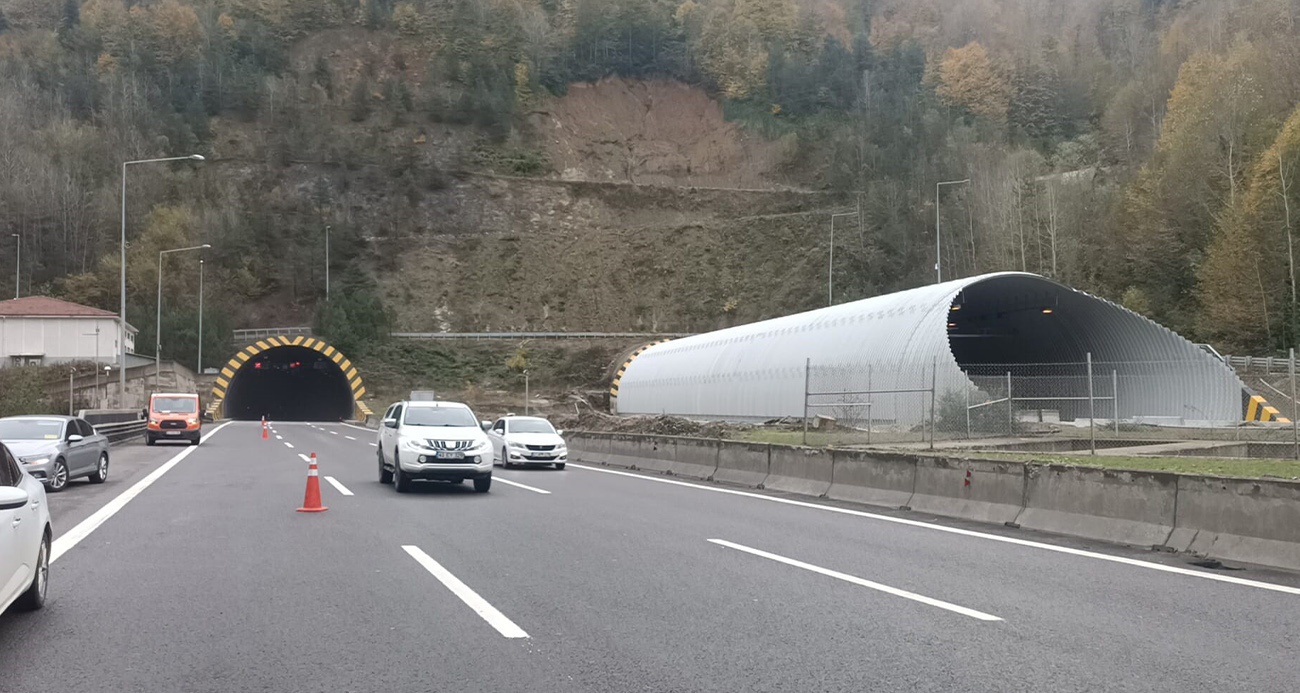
{"type": "Point", "coordinates": [42, 330]}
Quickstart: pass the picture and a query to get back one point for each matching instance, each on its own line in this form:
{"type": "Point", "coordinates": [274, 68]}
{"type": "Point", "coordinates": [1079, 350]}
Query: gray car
{"type": "Point", "coordinates": [56, 449]}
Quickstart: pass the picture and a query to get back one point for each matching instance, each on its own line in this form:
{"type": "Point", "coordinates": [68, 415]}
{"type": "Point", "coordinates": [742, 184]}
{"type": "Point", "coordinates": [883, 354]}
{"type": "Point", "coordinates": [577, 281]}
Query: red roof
{"type": "Point", "coordinates": [45, 306]}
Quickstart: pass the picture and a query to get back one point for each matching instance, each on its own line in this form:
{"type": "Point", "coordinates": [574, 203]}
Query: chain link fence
{"type": "Point", "coordinates": [1045, 407]}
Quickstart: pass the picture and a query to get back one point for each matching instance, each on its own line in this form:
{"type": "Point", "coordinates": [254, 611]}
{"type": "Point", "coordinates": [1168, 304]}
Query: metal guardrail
{"type": "Point", "coordinates": [537, 335]}
{"type": "Point", "coordinates": [246, 336]}
{"type": "Point", "coordinates": [1269, 365]}
{"type": "Point", "coordinates": [118, 432]}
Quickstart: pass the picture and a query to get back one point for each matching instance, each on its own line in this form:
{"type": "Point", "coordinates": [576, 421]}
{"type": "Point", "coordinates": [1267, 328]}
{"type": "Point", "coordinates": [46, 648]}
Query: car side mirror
{"type": "Point", "coordinates": [12, 498]}
{"type": "Point", "coordinates": [485, 424]}
{"type": "Point", "coordinates": [76, 438]}
{"type": "Point", "coordinates": [560, 432]}
{"type": "Point", "coordinates": [391, 423]}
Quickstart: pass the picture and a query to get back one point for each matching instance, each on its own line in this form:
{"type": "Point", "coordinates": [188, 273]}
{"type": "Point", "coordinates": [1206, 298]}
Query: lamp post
{"type": "Point", "coordinates": [108, 371]}
{"type": "Point", "coordinates": [96, 335]}
{"type": "Point", "coordinates": [121, 317]}
{"type": "Point", "coordinates": [327, 264]}
{"type": "Point", "coordinates": [157, 351]}
{"type": "Point", "coordinates": [830, 262]}
{"type": "Point", "coordinates": [71, 372]}
{"type": "Point", "coordinates": [18, 263]}
{"type": "Point", "coordinates": [200, 358]}
{"type": "Point", "coordinates": [938, 252]}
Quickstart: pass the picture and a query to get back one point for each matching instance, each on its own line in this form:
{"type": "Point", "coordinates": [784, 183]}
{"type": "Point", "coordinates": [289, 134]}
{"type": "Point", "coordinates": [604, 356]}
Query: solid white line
{"type": "Point", "coordinates": [349, 437]}
{"type": "Point", "coordinates": [359, 428]}
{"type": "Point", "coordinates": [335, 483]}
{"type": "Point", "coordinates": [859, 581]}
{"type": "Point", "coordinates": [966, 532]}
{"type": "Point", "coordinates": [83, 529]}
{"type": "Point", "coordinates": [523, 486]}
{"type": "Point", "coordinates": [289, 445]}
{"type": "Point", "coordinates": [495, 618]}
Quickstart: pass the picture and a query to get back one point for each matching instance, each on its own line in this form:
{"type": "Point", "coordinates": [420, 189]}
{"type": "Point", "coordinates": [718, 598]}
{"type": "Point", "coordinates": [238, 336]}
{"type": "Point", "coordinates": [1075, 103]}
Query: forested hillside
{"type": "Point", "coordinates": [677, 161]}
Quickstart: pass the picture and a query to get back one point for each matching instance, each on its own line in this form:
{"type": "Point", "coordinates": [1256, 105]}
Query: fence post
{"type": "Point", "coordinates": [1092, 411]}
{"type": "Point", "coordinates": [870, 405]}
{"type": "Point", "coordinates": [1295, 409]}
{"type": "Point", "coordinates": [1114, 397]}
{"type": "Point", "coordinates": [967, 412]}
{"type": "Point", "coordinates": [934, 386]}
{"type": "Point", "coordinates": [807, 369]}
{"type": "Point", "coordinates": [1011, 410]}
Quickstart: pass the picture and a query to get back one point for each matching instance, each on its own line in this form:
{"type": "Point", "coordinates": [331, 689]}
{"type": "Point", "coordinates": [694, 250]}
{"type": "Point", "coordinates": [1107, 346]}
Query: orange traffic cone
{"type": "Point", "coordinates": [311, 502]}
{"type": "Point", "coordinates": [264, 431]}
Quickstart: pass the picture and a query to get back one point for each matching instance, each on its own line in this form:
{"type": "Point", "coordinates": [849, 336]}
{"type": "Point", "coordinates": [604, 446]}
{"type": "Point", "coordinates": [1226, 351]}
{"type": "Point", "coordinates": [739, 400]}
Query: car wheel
{"type": "Point", "coordinates": [385, 476]}
{"type": "Point", "coordinates": [195, 440]}
{"type": "Point", "coordinates": [34, 597]}
{"type": "Point", "coordinates": [505, 458]}
{"type": "Point", "coordinates": [149, 440]}
{"type": "Point", "coordinates": [400, 481]}
{"type": "Point", "coordinates": [482, 484]}
{"type": "Point", "coordinates": [559, 465]}
{"type": "Point", "coordinates": [58, 476]}
{"type": "Point", "coordinates": [100, 475]}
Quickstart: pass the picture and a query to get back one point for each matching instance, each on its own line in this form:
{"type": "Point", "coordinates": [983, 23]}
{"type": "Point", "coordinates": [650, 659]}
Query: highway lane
{"type": "Point", "coordinates": [616, 584]}
{"type": "Point", "coordinates": [128, 462]}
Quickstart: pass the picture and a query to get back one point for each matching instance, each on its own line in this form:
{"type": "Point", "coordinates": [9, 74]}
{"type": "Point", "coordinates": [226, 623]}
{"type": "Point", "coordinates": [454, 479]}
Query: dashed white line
{"type": "Point", "coordinates": [335, 483]}
{"type": "Point", "coordinates": [859, 581]}
{"type": "Point", "coordinates": [489, 613]}
{"type": "Point", "coordinates": [374, 445]}
{"type": "Point", "coordinates": [289, 445]}
{"type": "Point", "coordinates": [279, 437]}
{"type": "Point", "coordinates": [964, 532]}
{"type": "Point", "coordinates": [523, 486]}
{"type": "Point", "coordinates": [349, 437]}
{"type": "Point", "coordinates": [304, 458]}
{"type": "Point", "coordinates": [83, 529]}
{"type": "Point", "coordinates": [334, 433]}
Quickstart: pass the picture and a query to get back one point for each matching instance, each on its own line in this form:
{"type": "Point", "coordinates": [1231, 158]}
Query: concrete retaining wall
{"type": "Point", "coordinates": [1250, 520]}
{"type": "Point", "coordinates": [995, 492]}
{"type": "Point", "coordinates": [1111, 505]}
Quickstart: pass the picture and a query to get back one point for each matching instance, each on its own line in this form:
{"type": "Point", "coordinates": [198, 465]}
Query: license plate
{"type": "Point", "coordinates": [173, 433]}
{"type": "Point", "coordinates": [449, 455]}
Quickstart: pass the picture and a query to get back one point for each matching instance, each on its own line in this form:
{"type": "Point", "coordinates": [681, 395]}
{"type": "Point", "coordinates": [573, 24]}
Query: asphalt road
{"type": "Point", "coordinates": [207, 580]}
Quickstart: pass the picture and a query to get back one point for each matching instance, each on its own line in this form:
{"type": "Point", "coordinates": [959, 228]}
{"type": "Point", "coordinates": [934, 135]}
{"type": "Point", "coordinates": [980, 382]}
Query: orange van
{"type": "Point", "coordinates": [173, 416]}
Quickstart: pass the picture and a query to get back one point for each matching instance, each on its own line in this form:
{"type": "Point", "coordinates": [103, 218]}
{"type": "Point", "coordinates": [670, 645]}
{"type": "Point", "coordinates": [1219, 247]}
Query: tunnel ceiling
{"type": "Point", "coordinates": [289, 379]}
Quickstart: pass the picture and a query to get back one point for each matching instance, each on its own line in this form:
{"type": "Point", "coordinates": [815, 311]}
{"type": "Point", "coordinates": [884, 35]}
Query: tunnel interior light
{"type": "Point", "coordinates": [952, 325]}
{"type": "Point", "coordinates": [1048, 311]}
{"type": "Point", "coordinates": [955, 308]}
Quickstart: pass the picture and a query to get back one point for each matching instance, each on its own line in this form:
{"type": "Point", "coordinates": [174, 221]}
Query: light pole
{"type": "Point", "coordinates": [71, 372]}
{"type": "Point", "coordinates": [327, 264]}
{"type": "Point", "coordinates": [200, 359]}
{"type": "Point", "coordinates": [938, 252]}
{"type": "Point", "coordinates": [108, 373]}
{"type": "Point", "coordinates": [157, 336]}
{"type": "Point", "coordinates": [830, 262]}
{"type": "Point", "coordinates": [18, 264]}
{"type": "Point", "coordinates": [96, 335]}
{"type": "Point", "coordinates": [121, 317]}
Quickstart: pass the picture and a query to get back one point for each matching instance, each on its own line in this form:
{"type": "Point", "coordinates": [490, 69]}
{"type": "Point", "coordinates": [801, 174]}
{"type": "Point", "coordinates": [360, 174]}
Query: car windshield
{"type": "Point", "coordinates": [439, 416]}
{"type": "Point", "coordinates": [175, 405]}
{"type": "Point", "coordinates": [30, 429]}
{"type": "Point", "coordinates": [531, 426]}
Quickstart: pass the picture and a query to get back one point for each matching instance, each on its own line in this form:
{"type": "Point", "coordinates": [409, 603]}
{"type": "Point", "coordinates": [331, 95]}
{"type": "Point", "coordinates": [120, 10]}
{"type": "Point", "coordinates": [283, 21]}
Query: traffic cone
{"type": "Point", "coordinates": [311, 502]}
{"type": "Point", "coordinates": [967, 478]}
{"type": "Point", "coordinates": [264, 431]}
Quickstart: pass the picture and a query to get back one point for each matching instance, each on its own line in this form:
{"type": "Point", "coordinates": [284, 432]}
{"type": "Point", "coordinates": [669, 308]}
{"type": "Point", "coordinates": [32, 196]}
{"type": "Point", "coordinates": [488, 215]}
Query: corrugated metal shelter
{"type": "Point", "coordinates": [962, 335]}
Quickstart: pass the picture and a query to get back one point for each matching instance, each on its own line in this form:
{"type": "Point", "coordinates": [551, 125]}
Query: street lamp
{"type": "Point", "coordinates": [327, 264]}
{"type": "Point", "coordinates": [121, 317]}
{"type": "Point", "coordinates": [200, 359]}
{"type": "Point", "coordinates": [18, 264]}
{"type": "Point", "coordinates": [157, 351]}
{"type": "Point", "coordinates": [108, 378]}
{"type": "Point", "coordinates": [830, 263]}
{"type": "Point", "coordinates": [938, 253]}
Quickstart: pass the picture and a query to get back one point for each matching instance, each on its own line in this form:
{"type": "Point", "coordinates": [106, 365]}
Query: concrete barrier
{"type": "Point", "coordinates": [995, 493]}
{"type": "Point", "coordinates": [1107, 504]}
{"type": "Point", "coordinates": [743, 464]}
{"type": "Point", "coordinates": [588, 448]}
{"type": "Point", "coordinates": [805, 471]}
{"type": "Point", "coordinates": [651, 453]}
{"type": "Point", "coordinates": [1251, 520]}
{"type": "Point", "coordinates": [874, 478]}
{"type": "Point", "coordinates": [693, 458]}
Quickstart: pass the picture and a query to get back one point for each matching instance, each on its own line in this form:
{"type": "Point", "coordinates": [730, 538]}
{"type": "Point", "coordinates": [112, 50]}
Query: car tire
{"type": "Point", "coordinates": [196, 440]}
{"type": "Point", "coordinates": [559, 465]}
{"type": "Point", "coordinates": [505, 458]}
{"type": "Point", "coordinates": [400, 481]}
{"type": "Point", "coordinates": [149, 440]}
{"type": "Point", "coordinates": [34, 597]}
{"type": "Point", "coordinates": [100, 475]}
{"type": "Point", "coordinates": [482, 484]}
{"type": "Point", "coordinates": [385, 475]}
{"type": "Point", "coordinates": [58, 476]}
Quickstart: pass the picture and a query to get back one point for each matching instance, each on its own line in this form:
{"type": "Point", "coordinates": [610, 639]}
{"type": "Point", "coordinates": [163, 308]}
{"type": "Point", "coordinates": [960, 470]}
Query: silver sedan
{"type": "Point", "coordinates": [56, 449]}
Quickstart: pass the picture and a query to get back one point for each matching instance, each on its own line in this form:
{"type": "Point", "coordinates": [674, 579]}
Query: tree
{"type": "Point", "coordinates": [359, 100]}
{"type": "Point", "coordinates": [4, 23]}
{"type": "Point", "coordinates": [69, 21]}
{"type": "Point", "coordinates": [968, 78]}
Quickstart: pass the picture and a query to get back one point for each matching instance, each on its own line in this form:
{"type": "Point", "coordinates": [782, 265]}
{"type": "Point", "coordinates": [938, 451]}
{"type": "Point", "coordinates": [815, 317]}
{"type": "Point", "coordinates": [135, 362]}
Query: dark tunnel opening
{"type": "Point", "coordinates": [291, 383]}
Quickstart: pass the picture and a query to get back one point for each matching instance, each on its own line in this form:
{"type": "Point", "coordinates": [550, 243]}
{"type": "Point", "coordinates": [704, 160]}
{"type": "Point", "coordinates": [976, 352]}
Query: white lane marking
{"type": "Point", "coordinates": [289, 445]}
{"type": "Point", "coordinates": [859, 581]}
{"type": "Point", "coordinates": [349, 437]}
{"type": "Point", "coordinates": [335, 483]}
{"type": "Point", "coordinates": [374, 445]}
{"type": "Point", "coordinates": [523, 486]}
{"type": "Point", "coordinates": [359, 428]}
{"type": "Point", "coordinates": [967, 533]}
{"type": "Point", "coordinates": [83, 529]}
{"type": "Point", "coordinates": [279, 437]}
{"type": "Point", "coordinates": [495, 618]}
{"type": "Point", "coordinates": [334, 433]}
{"type": "Point", "coordinates": [304, 458]}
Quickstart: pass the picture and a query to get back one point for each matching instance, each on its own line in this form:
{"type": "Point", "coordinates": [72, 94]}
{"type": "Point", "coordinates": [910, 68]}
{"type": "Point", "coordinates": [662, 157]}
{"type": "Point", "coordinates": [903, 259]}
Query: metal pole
{"type": "Point", "coordinates": [807, 369]}
{"type": "Point", "coordinates": [934, 384]}
{"type": "Point", "coordinates": [1092, 411]}
{"type": "Point", "coordinates": [830, 268]}
{"type": "Point", "coordinates": [327, 264]}
{"type": "Point", "coordinates": [18, 265]}
{"type": "Point", "coordinates": [1114, 395]}
{"type": "Point", "coordinates": [71, 372]}
{"type": "Point", "coordinates": [121, 316]}
{"type": "Point", "coordinates": [1295, 409]}
{"type": "Point", "coordinates": [1011, 413]}
{"type": "Point", "coordinates": [871, 409]}
{"type": "Point", "coordinates": [200, 357]}
{"type": "Point", "coordinates": [968, 436]}
{"type": "Point", "coordinates": [526, 393]}
{"type": "Point", "coordinates": [157, 335]}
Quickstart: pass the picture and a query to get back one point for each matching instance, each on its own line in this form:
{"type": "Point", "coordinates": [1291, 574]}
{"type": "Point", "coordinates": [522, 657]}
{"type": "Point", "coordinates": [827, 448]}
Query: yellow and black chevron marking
{"type": "Point", "coordinates": [618, 377]}
{"type": "Point", "coordinates": [232, 367]}
{"type": "Point", "coordinates": [1258, 409]}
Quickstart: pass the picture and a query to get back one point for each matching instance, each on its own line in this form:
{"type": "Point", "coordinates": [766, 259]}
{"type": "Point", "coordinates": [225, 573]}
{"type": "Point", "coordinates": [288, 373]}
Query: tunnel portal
{"type": "Point", "coordinates": [302, 379]}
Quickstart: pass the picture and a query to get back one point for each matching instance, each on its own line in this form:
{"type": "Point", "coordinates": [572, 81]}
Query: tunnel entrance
{"type": "Point", "coordinates": [290, 383]}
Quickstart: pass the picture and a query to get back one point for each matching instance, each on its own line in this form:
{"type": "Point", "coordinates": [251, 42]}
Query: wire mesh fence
{"type": "Point", "coordinates": [1074, 406]}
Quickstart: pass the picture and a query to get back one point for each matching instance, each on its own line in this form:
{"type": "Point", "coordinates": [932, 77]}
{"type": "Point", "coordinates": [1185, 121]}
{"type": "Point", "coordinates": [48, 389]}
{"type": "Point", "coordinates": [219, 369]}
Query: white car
{"type": "Point", "coordinates": [527, 440]}
{"type": "Point", "coordinates": [436, 441]}
{"type": "Point", "coordinates": [24, 537]}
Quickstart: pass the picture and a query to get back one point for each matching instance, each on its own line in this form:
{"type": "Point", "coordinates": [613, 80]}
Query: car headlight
{"type": "Point", "coordinates": [518, 446]}
{"type": "Point", "coordinates": [192, 422]}
{"type": "Point", "coordinates": [35, 460]}
{"type": "Point", "coordinates": [413, 444]}
{"type": "Point", "coordinates": [154, 422]}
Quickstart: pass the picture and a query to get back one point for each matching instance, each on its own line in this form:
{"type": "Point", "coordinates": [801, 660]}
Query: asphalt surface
{"type": "Point", "coordinates": [209, 581]}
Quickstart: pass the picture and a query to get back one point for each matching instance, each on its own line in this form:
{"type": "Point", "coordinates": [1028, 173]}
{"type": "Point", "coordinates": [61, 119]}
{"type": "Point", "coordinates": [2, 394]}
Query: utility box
{"type": "Point", "coordinates": [423, 396]}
